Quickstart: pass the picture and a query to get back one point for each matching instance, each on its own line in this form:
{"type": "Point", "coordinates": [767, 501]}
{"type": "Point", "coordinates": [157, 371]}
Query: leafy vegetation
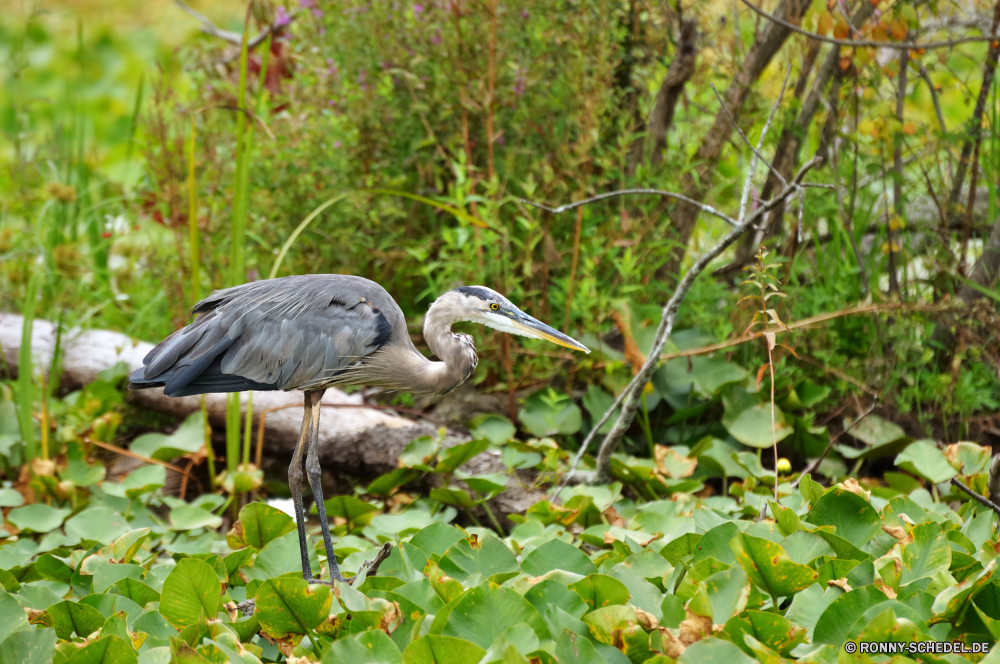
{"type": "Point", "coordinates": [142, 167]}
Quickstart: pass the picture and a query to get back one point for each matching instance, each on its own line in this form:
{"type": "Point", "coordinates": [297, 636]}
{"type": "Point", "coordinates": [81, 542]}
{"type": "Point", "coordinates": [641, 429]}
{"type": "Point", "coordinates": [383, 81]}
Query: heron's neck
{"type": "Point", "coordinates": [457, 351]}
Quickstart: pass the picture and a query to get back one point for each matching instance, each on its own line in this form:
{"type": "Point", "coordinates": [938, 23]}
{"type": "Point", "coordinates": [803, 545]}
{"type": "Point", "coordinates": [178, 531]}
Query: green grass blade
{"type": "Point", "coordinates": [301, 227]}
{"type": "Point", "coordinates": [24, 370]}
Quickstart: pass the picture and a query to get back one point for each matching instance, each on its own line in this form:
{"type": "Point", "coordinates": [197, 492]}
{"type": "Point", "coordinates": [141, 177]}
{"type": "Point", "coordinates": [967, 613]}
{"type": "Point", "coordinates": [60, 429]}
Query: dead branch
{"type": "Point", "coordinates": [854, 43]}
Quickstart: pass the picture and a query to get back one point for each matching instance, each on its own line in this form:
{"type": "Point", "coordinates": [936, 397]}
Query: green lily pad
{"type": "Point", "coordinates": [189, 517]}
{"type": "Point", "coordinates": [600, 590]}
{"type": "Point", "coordinates": [257, 525]}
{"type": "Point", "coordinates": [749, 420]}
{"type": "Point", "coordinates": [853, 517]}
{"type": "Point", "coordinates": [619, 626]}
{"type": "Point", "coordinates": [774, 631]}
{"type": "Point", "coordinates": [12, 616]}
{"type": "Point", "coordinates": [769, 567]}
{"type": "Point", "coordinates": [926, 555]}
{"type": "Point", "coordinates": [371, 647]}
{"type": "Point", "coordinates": [35, 646]}
{"type": "Point", "coordinates": [434, 649]}
{"type": "Point", "coordinates": [550, 413]}
{"type": "Point", "coordinates": [291, 606]}
{"type": "Point", "coordinates": [494, 428]}
{"type": "Point", "coordinates": [488, 557]}
{"type": "Point", "coordinates": [485, 613]}
{"type": "Point", "coordinates": [190, 591]}
{"type": "Point", "coordinates": [37, 518]}
{"type": "Point", "coordinates": [73, 617]}
{"type": "Point", "coordinates": [556, 554]}
{"type": "Point", "coordinates": [924, 459]}
{"type": "Point", "coordinates": [452, 458]}
{"type": "Point", "coordinates": [106, 650]}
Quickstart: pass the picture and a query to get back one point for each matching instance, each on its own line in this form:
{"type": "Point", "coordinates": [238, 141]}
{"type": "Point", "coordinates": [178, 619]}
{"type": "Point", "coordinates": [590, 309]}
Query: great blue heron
{"type": "Point", "coordinates": [315, 331]}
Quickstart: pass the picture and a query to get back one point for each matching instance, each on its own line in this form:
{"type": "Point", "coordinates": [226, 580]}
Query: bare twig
{"type": "Point", "coordinates": [981, 499]}
{"type": "Point", "coordinates": [814, 464]}
{"type": "Point", "coordinates": [236, 38]}
{"type": "Point", "coordinates": [899, 46]}
{"type": "Point", "coordinates": [631, 192]}
{"type": "Point", "coordinates": [630, 397]}
{"type": "Point", "coordinates": [756, 151]}
{"type": "Point", "coordinates": [145, 459]}
{"type": "Point", "coordinates": [748, 184]}
{"type": "Point", "coordinates": [807, 322]}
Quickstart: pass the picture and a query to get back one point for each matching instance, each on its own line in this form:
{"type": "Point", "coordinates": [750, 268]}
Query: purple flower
{"type": "Point", "coordinates": [363, 79]}
{"type": "Point", "coordinates": [281, 18]}
{"type": "Point", "coordinates": [436, 39]}
{"type": "Point", "coordinates": [524, 14]}
{"type": "Point", "coordinates": [520, 81]}
{"type": "Point", "coordinates": [317, 13]}
{"type": "Point", "coordinates": [877, 14]}
{"type": "Point", "coordinates": [337, 144]}
{"type": "Point", "coordinates": [253, 275]}
{"type": "Point", "coordinates": [418, 9]}
{"type": "Point", "coordinates": [308, 4]}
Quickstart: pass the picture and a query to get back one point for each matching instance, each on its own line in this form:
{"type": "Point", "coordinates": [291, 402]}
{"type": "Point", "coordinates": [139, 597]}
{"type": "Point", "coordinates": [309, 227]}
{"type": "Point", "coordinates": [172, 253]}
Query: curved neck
{"type": "Point", "coordinates": [457, 351]}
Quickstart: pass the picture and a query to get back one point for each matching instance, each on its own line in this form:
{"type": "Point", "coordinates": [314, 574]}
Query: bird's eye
{"type": "Point", "coordinates": [494, 306]}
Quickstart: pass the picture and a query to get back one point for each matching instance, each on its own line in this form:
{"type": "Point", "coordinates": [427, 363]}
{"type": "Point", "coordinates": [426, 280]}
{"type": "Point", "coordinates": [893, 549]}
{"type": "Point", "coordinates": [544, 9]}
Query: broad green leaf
{"type": "Point", "coordinates": [69, 617]}
{"type": "Point", "coordinates": [803, 547]}
{"type": "Point", "coordinates": [143, 480]}
{"type": "Point", "coordinates": [924, 459]}
{"type": "Point", "coordinates": [749, 420]}
{"type": "Point", "coordinates": [886, 626]}
{"type": "Point", "coordinates": [291, 606]}
{"type": "Point", "coordinates": [436, 538]}
{"type": "Point", "coordinates": [12, 617]}
{"type": "Point", "coordinates": [433, 649]}
{"type": "Point", "coordinates": [854, 518]}
{"type": "Point", "coordinates": [549, 413]}
{"type": "Point", "coordinates": [837, 623]}
{"type": "Point", "coordinates": [189, 517]}
{"type": "Point", "coordinates": [572, 647]}
{"type": "Point", "coordinates": [106, 650]}
{"type": "Point", "coordinates": [257, 525]}
{"type": "Point", "coordinates": [452, 458]}
{"type": "Point", "coordinates": [600, 590]}
{"type": "Point", "coordinates": [715, 544]}
{"type": "Point", "coordinates": [107, 575]}
{"type": "Point", "coordinates": [556, 554]}
{"type": "Point", "coordinates": [356, 512]}
{"type": "Point", "coordinates": [189, 592]}
{"type": "Point", "coordinates": [769, 567]}
{"type": "Point", "coordinates": [371, 647]}
{"type": "Point", "coordinates": [420, 452]}
{"type": "Point", "coordinates": [488, 557]}
{"type": "Point", "coordinates": [31, 646]}
{"type": "Point", "coordinates": [10, 497]}
{"type": "Point", "coordinates": [494, 428]}
{"type": "Point", "coordinates": [137, 591]}
{"type": "Point", "coordinates": [37, 518]}
{"type": "Point", "coordinates": [52, 568]}
{"type": "Point", "coordinates": [619, 626]}
{"type": "Point", "coordinates": [928, 553]}
{"type": "Point", "coordinates": [597, 402]}
{"type": "Point", "coordinates": [485, 613]}
{"type": "Point", "coordinates": [774, 631]}
{"type": "Point", "coordinates": [125, 547]}
{"type": "Point", "coordinates": [952, 601]}
{"type": "Point", "coordinates": [727, 593]}
{"type": "Point", "coordinates": [100, 524]}
{"type": "Point", "coordinates": [553, 592]}
{"type": "Point", "coordinates": [189, 437]}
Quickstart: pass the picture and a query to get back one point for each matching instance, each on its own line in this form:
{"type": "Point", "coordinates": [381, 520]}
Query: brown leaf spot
{"type": "Point", "coordinates": [840, 583]}
{"type": "Point", "coordinates": [896, 531]}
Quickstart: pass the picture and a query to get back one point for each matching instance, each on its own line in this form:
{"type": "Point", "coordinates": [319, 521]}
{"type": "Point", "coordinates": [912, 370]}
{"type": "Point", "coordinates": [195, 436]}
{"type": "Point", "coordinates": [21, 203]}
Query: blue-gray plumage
{"type": "Point", "coordinates": [315, 331]}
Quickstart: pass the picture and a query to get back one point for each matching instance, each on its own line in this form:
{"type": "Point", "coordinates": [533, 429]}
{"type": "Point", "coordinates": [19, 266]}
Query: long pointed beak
{"type": "Point", "coordinates": [539, 330]}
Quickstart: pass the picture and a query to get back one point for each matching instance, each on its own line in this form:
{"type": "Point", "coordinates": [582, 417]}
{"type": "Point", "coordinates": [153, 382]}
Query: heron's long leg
{"type": "Point", "coordinates": [295, 486]}
{"type": "Point", "coordinates": [314, 473]}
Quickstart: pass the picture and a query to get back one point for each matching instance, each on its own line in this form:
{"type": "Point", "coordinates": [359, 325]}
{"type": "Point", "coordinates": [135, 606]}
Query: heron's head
{"type": "Point", "coordinates": [479, 304]}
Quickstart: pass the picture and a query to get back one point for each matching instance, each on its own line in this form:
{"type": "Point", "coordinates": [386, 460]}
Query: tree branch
{"type": "Point", "coordinates": [210, 28]}
{"type": "Point", "coordinates": [899, 46]}
{"type": "Point", "coordinates": [630, 192]}
{"type": "Point", "coordinates": [630, 396]}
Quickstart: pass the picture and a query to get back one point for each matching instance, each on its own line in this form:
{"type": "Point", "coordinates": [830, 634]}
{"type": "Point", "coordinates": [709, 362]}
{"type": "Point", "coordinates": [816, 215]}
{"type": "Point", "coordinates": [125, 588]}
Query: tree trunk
{"type": "Point", "coordinates": [696, 183]}
{"type": "Point", "coordinates": [786, 154]}
{"type": "Point", "coordinates": [680, 72]}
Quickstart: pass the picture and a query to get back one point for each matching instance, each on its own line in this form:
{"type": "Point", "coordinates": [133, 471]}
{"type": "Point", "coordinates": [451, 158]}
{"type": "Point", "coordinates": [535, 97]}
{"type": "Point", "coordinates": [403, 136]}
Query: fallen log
{"type": "Point", "coordinates": [358, 441]}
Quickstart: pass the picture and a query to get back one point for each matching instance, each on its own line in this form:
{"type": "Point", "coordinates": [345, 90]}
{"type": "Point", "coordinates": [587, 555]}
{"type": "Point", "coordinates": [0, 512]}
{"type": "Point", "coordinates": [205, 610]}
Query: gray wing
{"type": "Point", "coordinates": [280, 334]}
